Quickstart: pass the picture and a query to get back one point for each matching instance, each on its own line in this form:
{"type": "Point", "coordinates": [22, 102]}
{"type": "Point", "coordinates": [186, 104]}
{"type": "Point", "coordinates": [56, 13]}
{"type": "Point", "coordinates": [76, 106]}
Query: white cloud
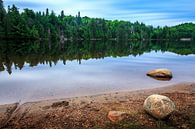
{"type": "Point", "coordinates": [153, 12]}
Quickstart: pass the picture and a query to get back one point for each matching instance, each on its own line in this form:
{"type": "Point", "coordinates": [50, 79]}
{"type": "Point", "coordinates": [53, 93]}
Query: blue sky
{"type": "Point", "coordinates": [151, 12]}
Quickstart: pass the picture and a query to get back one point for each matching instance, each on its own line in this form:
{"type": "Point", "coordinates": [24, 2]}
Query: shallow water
{"type": "Point", "coordinates": [90, 68]}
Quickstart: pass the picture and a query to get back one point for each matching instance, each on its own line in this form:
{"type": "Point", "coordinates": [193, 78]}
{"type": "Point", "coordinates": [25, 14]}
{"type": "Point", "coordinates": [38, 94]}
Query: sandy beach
{"type": "Point", "coordinates": [91, 111]}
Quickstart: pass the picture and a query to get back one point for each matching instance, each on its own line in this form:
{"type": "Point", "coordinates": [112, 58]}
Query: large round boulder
{"type": "Point", "coordinates": [159, 106]}
{"type": "Point", "coordinates": [160, 74]}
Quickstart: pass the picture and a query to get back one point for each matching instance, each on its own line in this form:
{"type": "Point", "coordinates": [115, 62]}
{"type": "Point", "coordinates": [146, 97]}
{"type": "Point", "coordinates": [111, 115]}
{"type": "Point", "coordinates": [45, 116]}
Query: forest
{"type": "Point", "coordinates": [28, 24]}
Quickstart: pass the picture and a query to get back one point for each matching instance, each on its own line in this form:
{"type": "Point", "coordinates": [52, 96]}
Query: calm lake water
{"type": "Point", "coordinates": [31, 71]}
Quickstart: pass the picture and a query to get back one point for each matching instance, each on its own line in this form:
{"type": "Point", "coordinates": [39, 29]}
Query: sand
{"type": "Point", "coordinates": [91, 111]}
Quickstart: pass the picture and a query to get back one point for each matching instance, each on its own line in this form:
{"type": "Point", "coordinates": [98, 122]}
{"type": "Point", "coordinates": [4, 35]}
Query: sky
{"type": "Point", "coordinates": [150, 12]}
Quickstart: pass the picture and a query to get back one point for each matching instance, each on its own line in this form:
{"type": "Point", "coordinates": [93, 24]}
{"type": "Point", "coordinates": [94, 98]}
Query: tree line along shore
{"type": "Point", "coordinates": [28, 24]}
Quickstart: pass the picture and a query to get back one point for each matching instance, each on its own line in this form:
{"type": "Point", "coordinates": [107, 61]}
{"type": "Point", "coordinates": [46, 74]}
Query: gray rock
{"type": "Point", "coordinates": [159, 106]}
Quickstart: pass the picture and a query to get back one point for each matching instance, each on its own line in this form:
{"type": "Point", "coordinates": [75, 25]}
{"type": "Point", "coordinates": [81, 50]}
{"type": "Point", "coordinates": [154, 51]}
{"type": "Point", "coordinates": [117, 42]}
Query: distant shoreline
{"type": "Point", "coordinates": [112, 39]}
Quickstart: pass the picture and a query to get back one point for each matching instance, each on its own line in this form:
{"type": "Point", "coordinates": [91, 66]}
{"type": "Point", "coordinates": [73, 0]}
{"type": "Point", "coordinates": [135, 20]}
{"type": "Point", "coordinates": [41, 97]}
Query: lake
{"type": "Point", "coordinates": [32, 71]}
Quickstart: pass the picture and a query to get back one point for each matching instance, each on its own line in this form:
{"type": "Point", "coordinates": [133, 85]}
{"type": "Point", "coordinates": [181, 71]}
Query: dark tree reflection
{"type": "Point", "coordinates": [14, 54]}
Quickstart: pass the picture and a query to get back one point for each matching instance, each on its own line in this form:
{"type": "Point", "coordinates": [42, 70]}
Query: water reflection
{"type": "Point", "coordinates": [58, 73]}
{"type": "Point", "coordinates": [14, 54]}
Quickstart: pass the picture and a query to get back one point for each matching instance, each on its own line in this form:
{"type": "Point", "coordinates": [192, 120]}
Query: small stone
{"type": "Point", "coordinates": [159, 106]}
{"type": "Point", "coordinates": [116, 116]}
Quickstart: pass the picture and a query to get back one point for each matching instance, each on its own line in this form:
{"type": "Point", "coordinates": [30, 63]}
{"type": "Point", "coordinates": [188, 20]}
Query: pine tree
{"type": "Point", "coordinates": [62, 14]}
{"type": "Point", "coordinates": [47, 12]}
{"type": "Point", "coordinates": [2, 18]}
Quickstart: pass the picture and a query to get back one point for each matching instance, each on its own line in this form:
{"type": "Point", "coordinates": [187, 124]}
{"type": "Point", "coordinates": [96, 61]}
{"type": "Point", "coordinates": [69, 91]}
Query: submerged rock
{"type": "Point", "coordinates": [116, 116]}
{"type": "Point", "coordinates": [60, 104]}
{"type": "Point", "coordinates": [160, 74]}
{"type": "Point", "coordinates": [159, 106]}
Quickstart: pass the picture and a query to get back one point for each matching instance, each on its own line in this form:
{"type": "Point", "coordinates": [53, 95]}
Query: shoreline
{"type": "Point", "coordinates": [91, 111]}
{"type": "Point", "coordinates": [161, 87]}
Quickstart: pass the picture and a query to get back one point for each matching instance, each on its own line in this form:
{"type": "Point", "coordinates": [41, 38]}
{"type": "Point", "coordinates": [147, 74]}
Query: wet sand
{"type": "Point", "coordinates": [91, 111]}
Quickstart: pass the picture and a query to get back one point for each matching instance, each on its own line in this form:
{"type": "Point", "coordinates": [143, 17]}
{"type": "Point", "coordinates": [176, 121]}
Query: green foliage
{"type": "Point", "coordinates": [2, 18]}
{"type": "Point", "coordinates": [46, 25]}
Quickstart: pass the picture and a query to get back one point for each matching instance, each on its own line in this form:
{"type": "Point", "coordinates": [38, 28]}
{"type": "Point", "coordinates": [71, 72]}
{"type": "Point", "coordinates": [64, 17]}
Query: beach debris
{"type": "Point", "coordinates": [116, 116]}
{"type": "Point", "coordinates": [160, 74]}
{"type": "Point", "coordinates": [6, 112]}
{"type": "Point", "coordinates": [159, 106]}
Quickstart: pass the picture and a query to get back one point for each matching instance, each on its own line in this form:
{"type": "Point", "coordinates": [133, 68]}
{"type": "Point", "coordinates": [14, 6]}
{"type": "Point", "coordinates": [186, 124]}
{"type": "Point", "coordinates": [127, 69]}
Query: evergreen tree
{"type": "Point", "coordinates": [62, 14]}
{"type": "Point", "coordinates": [2, 18]}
